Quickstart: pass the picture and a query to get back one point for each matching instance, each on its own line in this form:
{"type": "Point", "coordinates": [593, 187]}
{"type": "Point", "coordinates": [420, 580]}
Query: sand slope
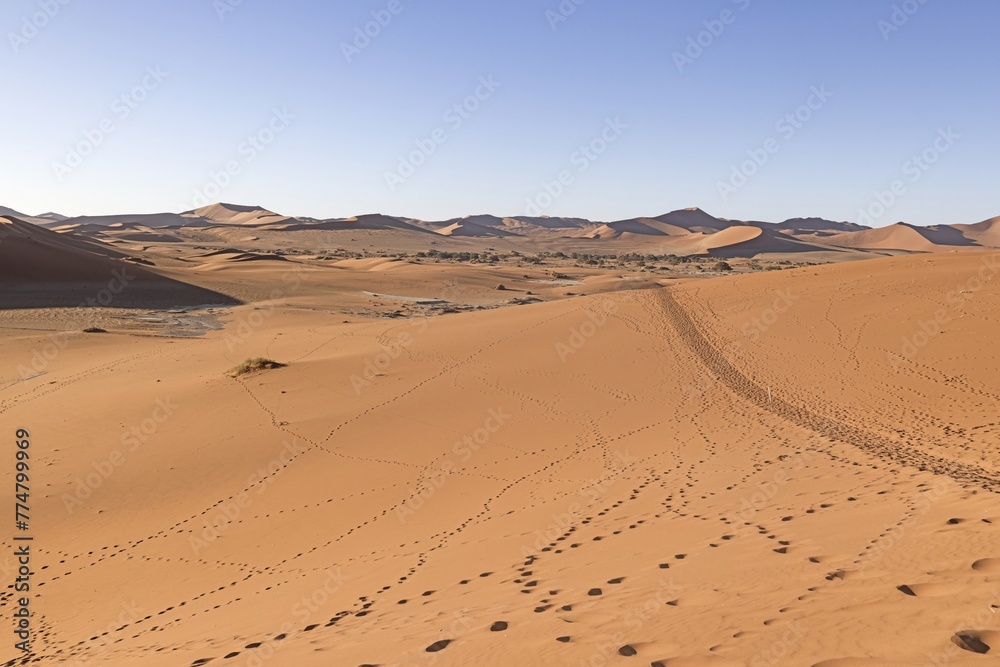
{"type": "Point", "coordinates": [468, 228]}
{"type": "Point", "coordinates": [696, 220]}
{"type": "Point", "coordinates": [636, 227]}
{"type": "Point", "coordinates": [40, 268]}
{"type": "Point", "coordinates": [908, 238]}
{"type": "Point", "coordinates": [233, 214]}
{"type": "Point", "coordinates": [986, 233]}
{"type": "Point", "coordinates": [729, 472]}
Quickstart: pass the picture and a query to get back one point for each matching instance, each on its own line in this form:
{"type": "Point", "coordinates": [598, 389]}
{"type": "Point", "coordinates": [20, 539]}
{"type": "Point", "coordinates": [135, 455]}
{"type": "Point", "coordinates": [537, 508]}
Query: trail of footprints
{"type": "Point", "coordinates": [526, 577]}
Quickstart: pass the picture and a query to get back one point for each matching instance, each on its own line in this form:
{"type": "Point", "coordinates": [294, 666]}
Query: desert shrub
{"type": "Point", "coordinates": [254, 365]}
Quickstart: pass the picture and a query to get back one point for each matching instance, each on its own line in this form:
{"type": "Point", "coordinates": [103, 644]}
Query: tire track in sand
{"type": "Point", "coordinates": [884, 448]}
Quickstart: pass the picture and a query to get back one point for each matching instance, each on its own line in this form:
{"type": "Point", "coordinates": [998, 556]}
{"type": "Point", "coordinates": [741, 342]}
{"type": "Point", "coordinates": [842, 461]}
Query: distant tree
{"type": "Point", "coordinates": [722, 266]}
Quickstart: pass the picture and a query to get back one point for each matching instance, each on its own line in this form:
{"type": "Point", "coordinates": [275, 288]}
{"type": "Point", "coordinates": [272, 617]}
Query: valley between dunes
{"type": "Point", "coordinates": [794, 467]}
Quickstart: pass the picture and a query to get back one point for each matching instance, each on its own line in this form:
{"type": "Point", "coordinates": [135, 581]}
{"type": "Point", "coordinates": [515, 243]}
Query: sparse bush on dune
{"type": "Point", "coordinates": [254, 365]}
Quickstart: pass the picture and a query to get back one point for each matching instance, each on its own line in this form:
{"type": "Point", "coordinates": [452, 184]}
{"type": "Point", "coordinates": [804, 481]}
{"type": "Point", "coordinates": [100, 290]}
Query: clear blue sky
{"type": "Point", "coordinates": [229, 65]}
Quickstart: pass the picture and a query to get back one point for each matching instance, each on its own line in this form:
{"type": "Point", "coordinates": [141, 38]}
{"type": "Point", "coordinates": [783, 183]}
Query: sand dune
{"type": "Point", "coordinates": [764, 469]}
{"type": "Point", "coordinates": [38, 220]}
{"type": "Point", "coordinates": [30, 254]}
{"type": "Point", "coordinates": [986, 233]}
{"type": "Point", "coordinates": [5, 212]}
{"type": "Point", "coordinates": [636, 227]}
{"type": "Point", "coordinates": [696, 220]}
{"type": "Point", "coordinates": [233, 255]}
{"type": "Point", "coordinates": [685, 231]}
{"type": "Point", "coordinates": [517, 224]}
{"type": "Point", "coordinates": [51, 215]}
{"type": "Point", "coordinates": [552, 223]}
{"type": "Point", "coordinates": [894, 237]}
{"type": "Point", "coordinates": [468, 228]}
{"type": "Point", "coordinates": [752, 241]}
{"type": "Point", "coordinates": [909, 238]}
{"type": "Point", "coordinates": [730, 242]}
{"type": "Point", "coordinates": [374, 222]}
{"type": "Point", "coordinates": [812, 224]}
{"type": "Point", "coordinates": [728, 238]}
{"type": "Point", "coordinates": [103, 222]}
{"type": "Point", "coordinates": [232, 214]}
{"type": "Point", "coordinates": [40, 268]}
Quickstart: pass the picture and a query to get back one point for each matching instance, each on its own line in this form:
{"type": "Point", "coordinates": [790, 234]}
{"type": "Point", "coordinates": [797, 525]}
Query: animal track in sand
{"type": "Point", "coordinates": [976, 641]}
{"type": "Point", "coordinates": [990, 565]}
{"type": "Point", "coordinates": [438, 646]}
{"type": "Point", "coordinates": [928, 590]}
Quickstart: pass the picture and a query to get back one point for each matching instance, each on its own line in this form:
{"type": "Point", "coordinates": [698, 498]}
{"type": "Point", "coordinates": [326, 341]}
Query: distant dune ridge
{"type": "Point", "coordinates": [51, 269]}
{"type": "Point", "coordinates": [683, 232]}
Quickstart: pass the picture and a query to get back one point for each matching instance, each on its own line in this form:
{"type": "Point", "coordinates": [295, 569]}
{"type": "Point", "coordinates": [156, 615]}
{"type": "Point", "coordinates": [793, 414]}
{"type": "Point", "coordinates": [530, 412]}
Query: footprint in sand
{"type": "Point", "coordinates": [927, 590]}
{"type": "Point", "coordinates": [991, 565]}
{"type": "Point", "coordinates": [976, 641]}
{"type": "Point", "coordinates": [438, 646]}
